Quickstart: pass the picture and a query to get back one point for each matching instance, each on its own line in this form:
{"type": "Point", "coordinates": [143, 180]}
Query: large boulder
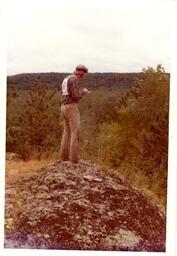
{"type": "Point", "coordinates": [80, 206]}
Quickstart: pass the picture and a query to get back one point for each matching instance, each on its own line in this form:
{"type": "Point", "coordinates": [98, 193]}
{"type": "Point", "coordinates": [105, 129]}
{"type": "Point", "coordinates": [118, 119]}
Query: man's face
{"type": "Point", "coordinates": [82, 74]}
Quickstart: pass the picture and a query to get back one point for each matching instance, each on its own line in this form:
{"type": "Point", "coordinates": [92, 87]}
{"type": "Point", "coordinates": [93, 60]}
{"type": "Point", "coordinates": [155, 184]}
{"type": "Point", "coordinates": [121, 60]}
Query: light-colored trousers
{"type": "Point", "coordinates": [69, 149]}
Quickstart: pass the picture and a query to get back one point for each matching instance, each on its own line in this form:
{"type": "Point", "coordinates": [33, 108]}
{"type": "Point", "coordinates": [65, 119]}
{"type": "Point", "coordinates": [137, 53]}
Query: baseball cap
{"type": "Point", "coordinates": [82, 67]}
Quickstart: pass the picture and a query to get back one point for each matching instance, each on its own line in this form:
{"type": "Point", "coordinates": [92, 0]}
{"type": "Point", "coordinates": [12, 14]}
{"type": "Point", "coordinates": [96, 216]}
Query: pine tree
{"type": "Point", "coordinates": [40, 121]}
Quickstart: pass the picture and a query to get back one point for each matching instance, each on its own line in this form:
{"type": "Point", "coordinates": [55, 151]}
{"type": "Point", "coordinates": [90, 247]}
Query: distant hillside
{"type": "Point", "coordinates": [93, 81]}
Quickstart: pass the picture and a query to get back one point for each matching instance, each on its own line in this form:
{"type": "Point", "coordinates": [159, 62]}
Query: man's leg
{"type": "Point", "coordinates": [74, 123]}
{"type": "Point", "coordinates": [65, 142]}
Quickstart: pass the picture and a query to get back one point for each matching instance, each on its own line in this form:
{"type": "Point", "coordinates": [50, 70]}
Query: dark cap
{"type": "Point", "coordinates": [81, 67]}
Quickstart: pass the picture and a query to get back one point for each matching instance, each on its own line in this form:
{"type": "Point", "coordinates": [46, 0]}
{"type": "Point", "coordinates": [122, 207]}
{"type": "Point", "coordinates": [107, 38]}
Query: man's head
{"type": "Point", "coordinates": [81, 71]}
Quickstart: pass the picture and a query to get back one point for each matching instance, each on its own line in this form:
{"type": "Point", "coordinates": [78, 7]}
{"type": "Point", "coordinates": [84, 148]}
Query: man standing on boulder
{"type": "Point", "coordinates": [71, 94]}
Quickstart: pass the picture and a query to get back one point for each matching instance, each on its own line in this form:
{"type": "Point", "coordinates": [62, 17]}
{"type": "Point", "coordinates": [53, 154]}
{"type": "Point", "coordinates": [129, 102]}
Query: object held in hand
{"type": "Point", "coordinates": [85, 90]}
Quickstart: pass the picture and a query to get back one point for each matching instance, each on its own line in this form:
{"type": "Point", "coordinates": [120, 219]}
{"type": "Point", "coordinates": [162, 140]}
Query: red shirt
{"type": "Point", "coordinates": [70, 90]}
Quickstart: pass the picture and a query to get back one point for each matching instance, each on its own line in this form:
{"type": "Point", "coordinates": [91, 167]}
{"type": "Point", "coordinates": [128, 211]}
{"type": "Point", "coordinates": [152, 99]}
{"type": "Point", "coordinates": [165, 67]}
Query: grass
{"type": "Point", "coordinates": [24, 166]}
{"type": "Point", "coordinates": [13, 168]}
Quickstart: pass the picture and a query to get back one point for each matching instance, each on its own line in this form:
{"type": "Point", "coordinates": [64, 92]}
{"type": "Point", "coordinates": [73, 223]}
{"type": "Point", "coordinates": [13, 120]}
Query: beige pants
{"type": "Point", "coordinates": [69, 149]}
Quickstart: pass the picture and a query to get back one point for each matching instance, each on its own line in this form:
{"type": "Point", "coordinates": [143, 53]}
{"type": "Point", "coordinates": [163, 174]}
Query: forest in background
{"type": "Point", "coordinates": [124, 122]}
{"type": "Point", "coordinates": [94, 81]}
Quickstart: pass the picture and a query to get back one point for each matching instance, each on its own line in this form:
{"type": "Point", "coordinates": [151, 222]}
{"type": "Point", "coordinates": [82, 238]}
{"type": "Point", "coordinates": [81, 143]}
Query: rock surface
{"type": "Point", "coordinates": [80, 207]}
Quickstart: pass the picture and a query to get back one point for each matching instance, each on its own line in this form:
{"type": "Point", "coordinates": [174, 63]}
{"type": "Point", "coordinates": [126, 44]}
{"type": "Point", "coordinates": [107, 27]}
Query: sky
{"type": "Point", "coordinates": [44, 36]}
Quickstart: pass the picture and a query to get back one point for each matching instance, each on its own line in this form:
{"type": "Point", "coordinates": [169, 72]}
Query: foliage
{"type": "Point", "coordinates": [38, 126]}
{"type": "Point", "coordinates": [125, 128]}
{"type": "Point", "coordinates": [139, 140]}
{"type": "Point", "coordinates": [94, 81]}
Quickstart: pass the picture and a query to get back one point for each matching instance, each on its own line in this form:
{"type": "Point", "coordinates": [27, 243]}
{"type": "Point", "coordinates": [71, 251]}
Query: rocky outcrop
{"type": "Point", "coordinates": [80, 206]}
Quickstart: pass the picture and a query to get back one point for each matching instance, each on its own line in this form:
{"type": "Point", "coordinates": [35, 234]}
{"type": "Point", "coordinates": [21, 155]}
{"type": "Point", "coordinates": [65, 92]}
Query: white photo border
{"type": "Point", "coordinates": [171, 240]}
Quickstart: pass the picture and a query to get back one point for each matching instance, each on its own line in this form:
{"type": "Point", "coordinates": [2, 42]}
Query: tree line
{"type": "Point", "coordinates": [94, 81]}
{"type": "Point", "coordinates": [124, 129]}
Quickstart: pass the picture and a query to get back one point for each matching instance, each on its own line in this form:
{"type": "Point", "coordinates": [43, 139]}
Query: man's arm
{"type": "Point", "coordinates": [76, 94]}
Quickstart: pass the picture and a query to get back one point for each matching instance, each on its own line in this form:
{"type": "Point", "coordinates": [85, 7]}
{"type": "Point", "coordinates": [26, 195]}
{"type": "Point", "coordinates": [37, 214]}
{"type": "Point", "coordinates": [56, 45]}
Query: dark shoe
{"type": "Point", "coordinates": [75, 162]}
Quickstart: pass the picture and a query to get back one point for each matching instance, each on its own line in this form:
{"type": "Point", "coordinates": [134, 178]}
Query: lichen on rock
{"type": "Point", "coordinates": [80, 207]}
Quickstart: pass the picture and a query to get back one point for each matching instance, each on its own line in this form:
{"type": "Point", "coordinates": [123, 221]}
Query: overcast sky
{"type": "Point", "coordinates": [45, 37]}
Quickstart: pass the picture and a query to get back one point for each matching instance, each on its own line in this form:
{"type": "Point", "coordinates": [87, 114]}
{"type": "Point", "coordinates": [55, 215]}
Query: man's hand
{"type": "Point", "coordinates": [86, 91]}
